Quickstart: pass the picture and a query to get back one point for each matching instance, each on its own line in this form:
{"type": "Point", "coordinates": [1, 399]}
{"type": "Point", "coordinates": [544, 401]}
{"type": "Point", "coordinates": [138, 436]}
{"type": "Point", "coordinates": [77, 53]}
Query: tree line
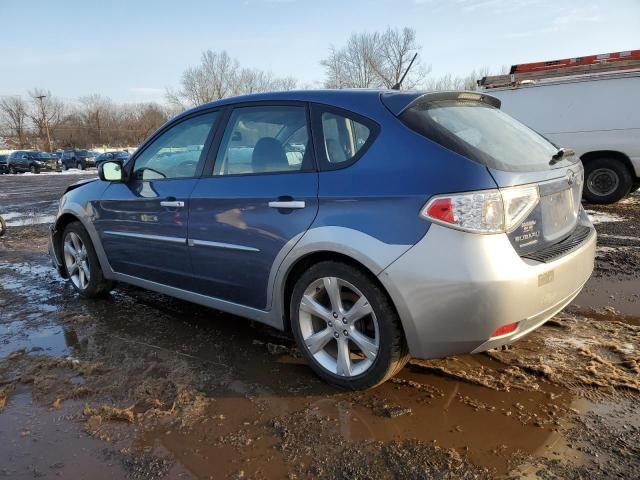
{"type": "Point", "coordinates": [367, 60]}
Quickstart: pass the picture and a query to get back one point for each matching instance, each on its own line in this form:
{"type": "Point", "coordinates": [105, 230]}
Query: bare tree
{"type": "Point", "coordinates": [251, 80]}
{"type": "Point", "coordinates": [370, 60]}
{"type": "Point", "coordinates": [14, 113]}
{"type": "Point", "coordinates": [98, 116]}
{"type": "Point", "coordinates": [46, 113]}
{"type": "Point", "coordinates": [354, 65]}
{"type": "Point", "coordinates": [219, 76]}
{"type": "Point", "coordinates": [396, 49]}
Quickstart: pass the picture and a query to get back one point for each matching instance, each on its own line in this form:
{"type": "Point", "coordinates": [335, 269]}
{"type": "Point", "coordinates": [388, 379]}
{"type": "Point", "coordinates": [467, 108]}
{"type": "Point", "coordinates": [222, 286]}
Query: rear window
{"type": "Point", "coordinates": [482, 133]}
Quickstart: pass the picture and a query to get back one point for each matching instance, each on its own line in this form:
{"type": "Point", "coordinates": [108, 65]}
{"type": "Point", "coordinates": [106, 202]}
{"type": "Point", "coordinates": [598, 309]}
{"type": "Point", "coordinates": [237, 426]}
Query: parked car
{"type": "Point", "coordinates": [26, 161]}
{"type": "Point", "coordinates": [3, 163]}
{"type": "Point", "coordinates": [604, 131]}
{"type": "Point", "coordinates": [80, 159]}
{"type": "Point", "coordinates": [423, 224]}
{"type": "Point", "coordinates": [51, 161]}
{"type": "Point", "coordinates": [117, 155]}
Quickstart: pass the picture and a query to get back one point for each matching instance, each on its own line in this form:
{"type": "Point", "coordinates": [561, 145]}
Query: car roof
{"type": "Point", "coordinates": [358, 100]}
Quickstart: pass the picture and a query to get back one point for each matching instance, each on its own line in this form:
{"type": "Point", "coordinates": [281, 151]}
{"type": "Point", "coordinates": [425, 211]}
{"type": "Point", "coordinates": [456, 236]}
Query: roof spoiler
{"type": "Point", "coordinates": [398, 102]}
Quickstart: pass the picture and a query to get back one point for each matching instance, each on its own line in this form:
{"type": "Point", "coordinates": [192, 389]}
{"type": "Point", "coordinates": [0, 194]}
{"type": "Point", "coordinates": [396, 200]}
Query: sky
{"type": "Point", "coordinates": [133, 50]}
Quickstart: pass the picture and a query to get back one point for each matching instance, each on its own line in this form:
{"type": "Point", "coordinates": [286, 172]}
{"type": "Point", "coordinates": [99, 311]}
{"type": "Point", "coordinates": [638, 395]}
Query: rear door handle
{"type": "Point", "coordinates": [172, 203]}
{"type": "Point", "coordinates": [287, 204]}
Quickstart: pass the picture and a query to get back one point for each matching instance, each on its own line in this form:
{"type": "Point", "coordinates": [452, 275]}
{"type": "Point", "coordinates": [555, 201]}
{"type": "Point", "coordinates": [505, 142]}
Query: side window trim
{"type": "Point", "coordinates": [317, 109]}
{"type": "Point", "coordinates": [174, 123]}
{"type": "Point", "coordinates": [222, 125]}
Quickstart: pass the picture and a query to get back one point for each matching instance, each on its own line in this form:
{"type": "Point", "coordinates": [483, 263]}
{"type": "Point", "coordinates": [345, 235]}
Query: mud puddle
{"type": "Point", "coordinates": [45, 442]}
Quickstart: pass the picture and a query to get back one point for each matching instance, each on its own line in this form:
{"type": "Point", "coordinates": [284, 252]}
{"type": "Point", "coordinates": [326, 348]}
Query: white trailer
{"type": "Point", "coordinates": [592, 109]}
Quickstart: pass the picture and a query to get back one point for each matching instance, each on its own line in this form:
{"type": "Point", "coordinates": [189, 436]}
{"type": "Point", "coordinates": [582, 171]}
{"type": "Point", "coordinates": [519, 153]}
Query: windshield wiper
{"type": "Point", "coordinates": [560, 154]}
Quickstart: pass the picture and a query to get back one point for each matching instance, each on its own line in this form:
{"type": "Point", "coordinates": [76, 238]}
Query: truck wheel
{"type": "Point", "coordinates": [80, 166]}
{"type": "Point", "coordinates": [346, 326]}
{"type": "Point", "coordinates": [607, 180]}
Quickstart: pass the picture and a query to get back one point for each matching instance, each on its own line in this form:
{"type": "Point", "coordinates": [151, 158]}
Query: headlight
{"type": "Point", "coordinates": [487, 211]}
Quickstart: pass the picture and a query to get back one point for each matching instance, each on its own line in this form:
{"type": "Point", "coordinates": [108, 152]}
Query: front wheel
{"type": "Point", "coordinates": [80, 166]}
{"type": "Point", "coordinates": [3, 226]}
{"type": "Point", "coordinates": [607, 180]}
{"type": "Point", "coordinates": [81, 263]}
{"type": "Point", "coordinates": [33, 169]}
{"type": "Point", "coordinates": [12, 170]}
{"type": "Point", "coordinates": [346, 326]}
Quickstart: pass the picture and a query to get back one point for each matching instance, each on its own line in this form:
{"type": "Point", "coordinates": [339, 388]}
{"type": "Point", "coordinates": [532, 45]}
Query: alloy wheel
{"type": "Point", "coordinates": [76, 260]}
{"type": "Point", "coordinates": [339, 327]}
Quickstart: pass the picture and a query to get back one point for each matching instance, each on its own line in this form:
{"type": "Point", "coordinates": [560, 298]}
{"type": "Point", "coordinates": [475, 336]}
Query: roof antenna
{"type": "Point", "coordinates": [399, 84]}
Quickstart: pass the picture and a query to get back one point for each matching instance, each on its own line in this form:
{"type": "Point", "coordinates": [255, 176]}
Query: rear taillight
{"type": "Point", "coordinates": [503, 330]}
{"type": "Point", "coordinates": [486, 211]}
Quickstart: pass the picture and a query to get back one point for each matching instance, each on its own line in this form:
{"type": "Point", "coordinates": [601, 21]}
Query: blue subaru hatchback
{"type": "Point", "coordinates": [373, 225]}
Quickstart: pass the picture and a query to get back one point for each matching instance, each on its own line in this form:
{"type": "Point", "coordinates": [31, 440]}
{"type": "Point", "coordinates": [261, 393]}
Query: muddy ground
{"type": "Point", "coordinates": [142, 386]}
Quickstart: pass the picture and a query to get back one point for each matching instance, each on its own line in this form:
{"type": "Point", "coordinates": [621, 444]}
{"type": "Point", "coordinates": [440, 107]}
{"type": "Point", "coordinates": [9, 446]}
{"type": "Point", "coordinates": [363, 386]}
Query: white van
{"type": "Point", "coordinates": [597, 114]}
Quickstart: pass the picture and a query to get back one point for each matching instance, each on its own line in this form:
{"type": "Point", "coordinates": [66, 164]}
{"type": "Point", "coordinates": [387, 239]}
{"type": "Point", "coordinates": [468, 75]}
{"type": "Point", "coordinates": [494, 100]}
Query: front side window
{"type": "Point", "coordinates": [270, 139]}
{"type": "Point", "coordinates": [176, 152]}
{"type": "Point", "coordinates": [343, 137]}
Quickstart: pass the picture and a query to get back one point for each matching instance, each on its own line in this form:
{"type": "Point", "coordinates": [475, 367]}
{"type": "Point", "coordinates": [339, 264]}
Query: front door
{"type": "Point", "coordinates": [259, 199]}
{"type": "Point", "coordinates": [143, 223]}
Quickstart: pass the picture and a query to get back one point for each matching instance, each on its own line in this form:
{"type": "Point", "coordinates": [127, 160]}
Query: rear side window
{"type": "Point", "coordinates": [343, 137]}
{"type": "Point", "coordinates": [482, 133]}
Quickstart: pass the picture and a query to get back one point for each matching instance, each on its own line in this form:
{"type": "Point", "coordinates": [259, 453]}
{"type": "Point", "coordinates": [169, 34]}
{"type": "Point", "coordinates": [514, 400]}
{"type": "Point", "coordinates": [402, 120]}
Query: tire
{"type": "Point", "coordinates": [12, 170]}
{"type": "Point", "coordinates": [78, 239]}
{"type": "Point", "coordinates": [80, 166]}
{"type": "Point", "coordinates": [3, 226]}
{"type": "Point", "coordinates": [381, 325]}
{"type": "Point", "coordinates": [64, 166]}
{"type": "Point", "coordinates": [33, 169]}
{"type": "Point", "coordinates": [607, 180]}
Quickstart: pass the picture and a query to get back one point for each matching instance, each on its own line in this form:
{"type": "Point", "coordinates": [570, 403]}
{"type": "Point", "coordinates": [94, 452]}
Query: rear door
{"type": "Point", "coordinates": [143, 223]}
{"type": "Point", "coordinates": [259, 198]}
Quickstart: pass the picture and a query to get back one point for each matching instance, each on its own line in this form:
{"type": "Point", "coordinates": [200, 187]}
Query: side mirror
{"type": "Point", "coordinates": [111, 171]}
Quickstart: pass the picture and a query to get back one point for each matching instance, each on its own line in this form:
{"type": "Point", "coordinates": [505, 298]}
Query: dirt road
{"type": "Point", "coordinates": [142, 386]}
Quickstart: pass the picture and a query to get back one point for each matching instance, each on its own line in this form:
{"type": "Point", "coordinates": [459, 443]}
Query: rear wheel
{"type": "Point", "coordinates": [346, 326]}
{"type": "Point", "coordinates": [81, 263]}
{"type": "Point", "coordinates": [607, 180]}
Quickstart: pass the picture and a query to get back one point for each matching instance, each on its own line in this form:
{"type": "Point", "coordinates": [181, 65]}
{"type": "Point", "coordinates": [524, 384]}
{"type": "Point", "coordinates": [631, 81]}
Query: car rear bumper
{"type": "Point", "coordinates": [453, 290]}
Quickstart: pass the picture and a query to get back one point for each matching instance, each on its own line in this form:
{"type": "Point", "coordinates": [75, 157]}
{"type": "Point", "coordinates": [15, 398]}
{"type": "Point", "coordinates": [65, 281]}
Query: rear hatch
{"type": "Point", "coordinates": [472, 125]}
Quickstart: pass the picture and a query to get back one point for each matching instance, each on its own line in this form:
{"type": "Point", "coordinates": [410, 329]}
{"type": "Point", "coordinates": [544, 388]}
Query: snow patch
{"type": "Point", "coordinates": [602, 217]}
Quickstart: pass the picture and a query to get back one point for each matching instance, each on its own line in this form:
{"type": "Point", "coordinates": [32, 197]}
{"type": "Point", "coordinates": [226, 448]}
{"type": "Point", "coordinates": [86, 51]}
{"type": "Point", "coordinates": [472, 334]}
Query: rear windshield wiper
{"type": "Point", "coordinates": [560, 154]}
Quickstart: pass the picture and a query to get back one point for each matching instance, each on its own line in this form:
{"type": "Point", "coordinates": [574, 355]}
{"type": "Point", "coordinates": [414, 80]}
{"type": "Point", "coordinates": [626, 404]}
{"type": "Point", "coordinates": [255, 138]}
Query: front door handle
{"type": "Point", "coordinates": [172, 203]}
{"type": "Point", "coordinates": [287, 204]}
